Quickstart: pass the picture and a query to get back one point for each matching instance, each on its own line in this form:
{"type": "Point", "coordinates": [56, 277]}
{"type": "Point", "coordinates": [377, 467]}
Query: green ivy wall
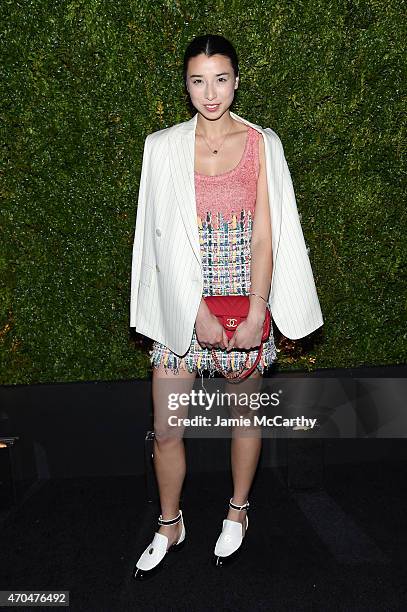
{"type": "Point", "coordinates": [83, 83]}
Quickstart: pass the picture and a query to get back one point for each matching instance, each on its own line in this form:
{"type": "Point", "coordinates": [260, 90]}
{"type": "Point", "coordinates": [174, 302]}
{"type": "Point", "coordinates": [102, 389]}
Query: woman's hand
{"type": "Point", "coordinates": [248, 334]}
{"type": "Point", "coordinates": [209, 332]}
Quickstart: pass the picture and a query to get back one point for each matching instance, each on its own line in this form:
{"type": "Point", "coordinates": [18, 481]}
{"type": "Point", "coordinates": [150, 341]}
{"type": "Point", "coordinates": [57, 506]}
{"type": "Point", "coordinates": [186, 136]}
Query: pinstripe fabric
{"type": "Point", "coordinates": [166, 280]}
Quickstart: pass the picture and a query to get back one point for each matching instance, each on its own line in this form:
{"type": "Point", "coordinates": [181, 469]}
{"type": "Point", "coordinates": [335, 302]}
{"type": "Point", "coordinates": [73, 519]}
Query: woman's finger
{"type": "Point", "coordinates": [232, 342]}
{"type": "Point", "coordinates": [225, 339]}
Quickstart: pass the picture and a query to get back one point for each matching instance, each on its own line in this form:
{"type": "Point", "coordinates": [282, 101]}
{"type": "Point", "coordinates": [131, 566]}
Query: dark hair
{"type": "Point", "coordinates": [210, 44]}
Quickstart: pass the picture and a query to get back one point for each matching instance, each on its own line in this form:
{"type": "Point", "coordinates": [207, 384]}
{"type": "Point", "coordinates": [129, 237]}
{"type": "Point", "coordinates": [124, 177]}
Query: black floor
{"type": "Point", "coordinates": [341, 548]}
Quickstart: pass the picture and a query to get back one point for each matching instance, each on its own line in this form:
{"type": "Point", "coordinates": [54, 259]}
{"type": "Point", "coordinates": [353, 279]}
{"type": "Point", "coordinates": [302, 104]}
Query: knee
{"type": "Point", "coordinates": [166, 437]}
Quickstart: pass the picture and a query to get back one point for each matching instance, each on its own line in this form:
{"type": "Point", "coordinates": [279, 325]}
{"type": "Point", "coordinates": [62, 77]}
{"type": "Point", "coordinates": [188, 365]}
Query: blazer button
{"type": "Point", "coordinates": [157, 268]}
{"type": "Point", "coordinates": [158, 232]}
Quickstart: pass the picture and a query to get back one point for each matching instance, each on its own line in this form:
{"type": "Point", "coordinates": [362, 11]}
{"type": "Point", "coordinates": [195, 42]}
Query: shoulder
{"type": "Point", "coordinates": [156, 146]}
{"type": "Point", "coordinates": [160, 137]}
{"type": "Point", "coordinates": [268, 138]}
{"type": "Point", "coordinates": [157, 138]}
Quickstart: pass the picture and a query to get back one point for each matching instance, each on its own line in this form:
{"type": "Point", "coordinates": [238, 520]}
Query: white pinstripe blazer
{"type": "Point", "coordinates": [166, 276]}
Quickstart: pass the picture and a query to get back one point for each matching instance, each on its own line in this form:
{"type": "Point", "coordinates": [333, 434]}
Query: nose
{"type": "Point", "coordinates": [210, 92]}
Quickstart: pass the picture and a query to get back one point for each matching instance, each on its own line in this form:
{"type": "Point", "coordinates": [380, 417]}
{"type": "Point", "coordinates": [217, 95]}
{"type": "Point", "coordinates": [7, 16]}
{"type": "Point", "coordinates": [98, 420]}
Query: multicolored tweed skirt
{"type": "Point", "coordinates": [226, 257]}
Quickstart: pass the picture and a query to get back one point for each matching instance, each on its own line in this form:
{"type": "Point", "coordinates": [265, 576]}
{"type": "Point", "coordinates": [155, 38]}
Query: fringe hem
{"type": "Point", "coordinates": [173, 363]}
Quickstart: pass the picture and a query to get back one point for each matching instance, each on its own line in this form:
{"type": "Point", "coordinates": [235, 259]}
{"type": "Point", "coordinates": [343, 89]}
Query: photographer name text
{"type": "Point", "coordinates": [263, 421]}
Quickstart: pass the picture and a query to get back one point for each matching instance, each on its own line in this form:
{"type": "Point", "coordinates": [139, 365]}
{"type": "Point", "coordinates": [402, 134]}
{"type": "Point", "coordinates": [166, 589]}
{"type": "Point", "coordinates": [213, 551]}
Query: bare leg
{"type": "Point", "coordinates": [169, 449]}
{"type": "Point", "coordinates": [245, 453]}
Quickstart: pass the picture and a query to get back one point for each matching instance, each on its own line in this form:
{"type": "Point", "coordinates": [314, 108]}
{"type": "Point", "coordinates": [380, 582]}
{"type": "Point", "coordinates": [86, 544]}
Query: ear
{"type": "Point", "coordinates": [236, 82]}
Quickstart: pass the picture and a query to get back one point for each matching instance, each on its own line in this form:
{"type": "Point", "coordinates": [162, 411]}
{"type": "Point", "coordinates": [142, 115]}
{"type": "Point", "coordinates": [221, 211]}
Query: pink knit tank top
{"type": "Point", "coordinates": [225, 195]}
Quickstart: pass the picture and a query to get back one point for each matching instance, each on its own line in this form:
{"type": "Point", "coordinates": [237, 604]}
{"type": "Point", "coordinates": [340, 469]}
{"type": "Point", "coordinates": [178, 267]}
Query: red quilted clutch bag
{"type": "Point", "coordinates": [230, 311]}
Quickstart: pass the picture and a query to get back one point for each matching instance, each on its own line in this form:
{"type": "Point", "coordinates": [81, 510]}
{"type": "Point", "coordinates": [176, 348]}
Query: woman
{"type": "Point", "coordinates": [214, 238]}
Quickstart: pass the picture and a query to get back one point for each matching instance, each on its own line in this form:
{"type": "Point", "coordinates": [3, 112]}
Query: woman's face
{"type": "Point", "coordinates": [211, 84]}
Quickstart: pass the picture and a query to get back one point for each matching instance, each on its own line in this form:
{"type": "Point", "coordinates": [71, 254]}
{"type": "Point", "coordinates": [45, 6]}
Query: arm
{"type": "Point", "coordinates": [261, 248]}
{"type": "Point", "coordinates": [248, 334]}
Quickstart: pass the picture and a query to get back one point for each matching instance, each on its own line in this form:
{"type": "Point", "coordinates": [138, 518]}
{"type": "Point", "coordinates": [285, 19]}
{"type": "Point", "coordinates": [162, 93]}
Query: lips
{"type": "Point", "coordinates": [212, 107]}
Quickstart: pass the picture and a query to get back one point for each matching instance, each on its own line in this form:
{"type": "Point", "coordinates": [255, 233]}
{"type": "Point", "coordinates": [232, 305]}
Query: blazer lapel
{"type": "Point", "coordinates": [182, 154]}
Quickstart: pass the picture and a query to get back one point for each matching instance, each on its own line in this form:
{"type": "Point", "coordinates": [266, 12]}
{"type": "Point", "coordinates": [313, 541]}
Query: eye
{"type": "Point", "coordinates": [197, 81]}
{"type": "Point", "coordinates": [222, 79]}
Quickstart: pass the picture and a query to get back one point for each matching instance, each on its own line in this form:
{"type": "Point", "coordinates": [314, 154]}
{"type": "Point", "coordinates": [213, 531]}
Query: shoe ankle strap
{"type": "Point", "coordinates": [236, 507]}
{"type": "Point", "coordinates": [173, 521]}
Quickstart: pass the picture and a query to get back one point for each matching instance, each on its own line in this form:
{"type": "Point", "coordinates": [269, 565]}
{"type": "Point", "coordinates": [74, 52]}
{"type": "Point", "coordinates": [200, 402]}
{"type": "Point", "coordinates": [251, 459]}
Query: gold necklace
{"type": "Point", "coordinates": [215, 151]}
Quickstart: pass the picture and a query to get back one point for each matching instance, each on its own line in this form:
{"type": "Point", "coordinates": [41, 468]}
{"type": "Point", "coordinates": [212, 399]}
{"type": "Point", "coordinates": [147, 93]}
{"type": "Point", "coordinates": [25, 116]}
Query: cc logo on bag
{"type": "Point", "coordinates": [231, 322]}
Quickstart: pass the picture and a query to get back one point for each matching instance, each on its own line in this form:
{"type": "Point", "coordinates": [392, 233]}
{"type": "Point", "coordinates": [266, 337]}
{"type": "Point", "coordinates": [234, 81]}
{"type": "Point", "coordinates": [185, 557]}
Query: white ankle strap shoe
{"type": "Point", "coordinates": [153, 556]}
{"type": "Point", "coordinates": [231, 537]}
